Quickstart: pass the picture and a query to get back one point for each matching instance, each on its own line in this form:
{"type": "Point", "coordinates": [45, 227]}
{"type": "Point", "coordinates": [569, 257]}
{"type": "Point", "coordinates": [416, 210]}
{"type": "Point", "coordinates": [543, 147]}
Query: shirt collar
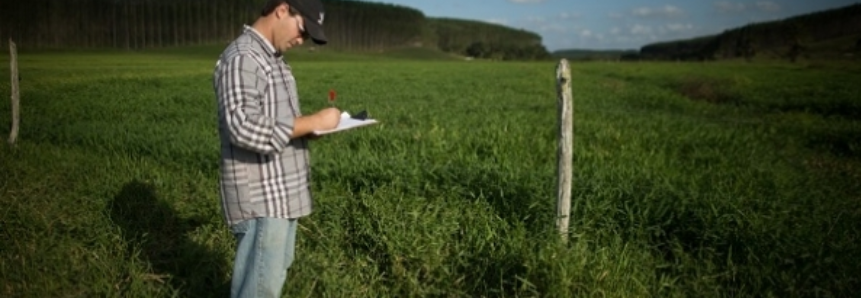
{"type": "Point", "coordinates": [270, 49]}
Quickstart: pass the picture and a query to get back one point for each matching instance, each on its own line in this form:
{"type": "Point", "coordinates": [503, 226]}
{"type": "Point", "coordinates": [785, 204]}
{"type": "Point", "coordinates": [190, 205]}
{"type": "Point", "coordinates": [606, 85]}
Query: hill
{"type": "Point", "coordinates": [350, 26]}
{"type": "Point", "coordinates": [828, 34]}
{"type": "Point", "coordinates": [586, 54]}
{"type": "Point", "coordinates": [486, 40]}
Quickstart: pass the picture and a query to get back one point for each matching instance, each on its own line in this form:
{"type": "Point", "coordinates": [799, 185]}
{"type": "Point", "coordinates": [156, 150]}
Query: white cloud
{"type": "Point", "coordinates": [640, 30]}
{"type": "Point", "coordinates": [768, 6]}
{"type": "Point", "coordinates": [498, 21]}
{"type": "Point", "coordinates": [728, 6]}
{"type": "Point", "coordinates": [615, 15]}
{"type": "Point", "coordinates": [585, 33]}
{"type": "Point", "coordinates": [525, 1]}
{"type": "Point", "coordinates": [569, 16]}
{"type": "Point", "coordinates": [666, 11]}
{"type": "Point", "coordinates": [615, 30]}
{"type": "Point", "coordinates": [536, 19]}
{"type": "Point", "coordinates": [554, 28]}
{"type": "Point", "coordinates": [678, 27]}
{"type": "Point", "coordinates": [643, 11]}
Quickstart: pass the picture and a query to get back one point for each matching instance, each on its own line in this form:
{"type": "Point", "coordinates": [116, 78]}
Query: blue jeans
{"type": "Point", "coordinates": [264, 252]}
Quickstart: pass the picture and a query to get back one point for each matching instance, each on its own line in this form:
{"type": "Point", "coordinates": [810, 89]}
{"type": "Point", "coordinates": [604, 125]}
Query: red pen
{"type": "Point", "coordinates": [332, 97]}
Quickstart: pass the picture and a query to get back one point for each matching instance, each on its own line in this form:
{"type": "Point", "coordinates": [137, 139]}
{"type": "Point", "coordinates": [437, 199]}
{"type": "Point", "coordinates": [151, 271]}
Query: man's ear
{"type": "Point", "coordinates": [282, 11]}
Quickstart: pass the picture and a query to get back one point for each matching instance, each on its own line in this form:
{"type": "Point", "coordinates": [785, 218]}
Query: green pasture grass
{"type": "Point", "coordinates": [691, 179]}
{"type": "Point", "coordinates": [306, 53]}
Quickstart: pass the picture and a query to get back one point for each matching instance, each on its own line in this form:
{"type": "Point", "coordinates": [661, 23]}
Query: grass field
{"type": "Point", "coordinates": [692, 180]}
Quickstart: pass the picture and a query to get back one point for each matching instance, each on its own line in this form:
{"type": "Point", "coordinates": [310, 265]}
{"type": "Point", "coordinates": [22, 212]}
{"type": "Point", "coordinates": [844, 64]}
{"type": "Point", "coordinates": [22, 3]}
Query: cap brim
{"type": "Point", "coordinates": [316, 32]}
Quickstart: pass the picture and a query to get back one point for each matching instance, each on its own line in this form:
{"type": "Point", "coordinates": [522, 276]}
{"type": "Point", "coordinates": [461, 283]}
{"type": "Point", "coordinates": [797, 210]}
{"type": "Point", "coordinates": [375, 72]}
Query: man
{"type": "Point", "coordinates": [264, 175]}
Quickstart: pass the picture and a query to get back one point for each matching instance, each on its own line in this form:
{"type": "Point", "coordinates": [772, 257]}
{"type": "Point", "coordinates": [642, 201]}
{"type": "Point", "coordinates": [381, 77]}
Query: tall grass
{"type": "Point", "coordinates": [112, 189]}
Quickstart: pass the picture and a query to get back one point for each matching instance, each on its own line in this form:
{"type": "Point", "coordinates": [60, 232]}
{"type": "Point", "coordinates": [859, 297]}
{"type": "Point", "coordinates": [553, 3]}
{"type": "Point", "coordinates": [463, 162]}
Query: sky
{"type": "Point", "coordinates": [618, 24]}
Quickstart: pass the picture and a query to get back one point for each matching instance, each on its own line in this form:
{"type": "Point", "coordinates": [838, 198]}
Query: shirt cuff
{"type": "Point", "coordinates": [283, 133]}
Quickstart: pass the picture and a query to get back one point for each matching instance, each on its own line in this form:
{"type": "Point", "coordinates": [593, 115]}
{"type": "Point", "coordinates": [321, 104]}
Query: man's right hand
{"type": "Point", "coordinates": [324, 119]}
{"type": "Point", "coordinates": [328, 118]}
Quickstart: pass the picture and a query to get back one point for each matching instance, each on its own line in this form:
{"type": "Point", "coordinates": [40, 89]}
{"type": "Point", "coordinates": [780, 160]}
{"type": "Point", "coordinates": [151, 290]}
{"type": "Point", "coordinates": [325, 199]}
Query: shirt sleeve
{"type": "Point", "coordinates": [240, 90]}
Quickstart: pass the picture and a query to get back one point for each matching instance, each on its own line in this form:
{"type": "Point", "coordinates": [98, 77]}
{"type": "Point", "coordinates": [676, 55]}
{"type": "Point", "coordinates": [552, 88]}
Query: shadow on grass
{"type": "Point", "coordinates": [155, 233]}
{"type": "Point", "coordinates": [840, 144]}
{"type": "Point", "coordinates": [845, 110]}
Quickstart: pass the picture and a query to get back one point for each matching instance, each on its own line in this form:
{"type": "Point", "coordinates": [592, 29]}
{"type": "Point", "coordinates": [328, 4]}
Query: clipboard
{"type": "Point", "coordinates": [349, 122]}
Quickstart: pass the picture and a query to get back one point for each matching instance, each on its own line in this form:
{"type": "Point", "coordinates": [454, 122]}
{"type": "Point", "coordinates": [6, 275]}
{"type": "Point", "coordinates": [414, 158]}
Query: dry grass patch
{"type": "Point", "coordinates": [706, 89]}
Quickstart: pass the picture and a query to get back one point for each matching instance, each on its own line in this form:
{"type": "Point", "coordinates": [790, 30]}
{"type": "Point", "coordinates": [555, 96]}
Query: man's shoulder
{"type": "Point", "coordinates": [244, 45]}
{"type": "Point", "coordinates": [244, 49]}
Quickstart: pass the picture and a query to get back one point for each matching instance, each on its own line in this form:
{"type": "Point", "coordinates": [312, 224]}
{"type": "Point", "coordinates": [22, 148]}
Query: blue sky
{"type": "Point", "coordinates": [618, 24]}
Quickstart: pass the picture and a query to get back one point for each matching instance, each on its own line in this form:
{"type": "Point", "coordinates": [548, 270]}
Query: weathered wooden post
{"type": "Point", "coordinates": [13, 67]}
{"type": "Point", "coordinates": [564, 151]}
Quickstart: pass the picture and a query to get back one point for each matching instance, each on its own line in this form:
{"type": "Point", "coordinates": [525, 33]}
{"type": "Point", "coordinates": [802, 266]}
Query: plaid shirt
{"type": "Point", "coordinates": [264, 173]}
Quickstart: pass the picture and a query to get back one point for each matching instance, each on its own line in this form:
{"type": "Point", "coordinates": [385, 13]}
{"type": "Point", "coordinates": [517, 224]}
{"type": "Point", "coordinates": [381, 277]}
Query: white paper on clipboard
{"type": "Point", "coordinates": [346, 123]}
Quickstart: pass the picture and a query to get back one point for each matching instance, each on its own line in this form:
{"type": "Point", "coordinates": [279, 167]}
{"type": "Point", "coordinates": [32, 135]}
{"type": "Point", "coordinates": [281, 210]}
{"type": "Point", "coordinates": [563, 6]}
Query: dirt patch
{"type": "Point", "coordinates": [705, 89]}
{"type": "Point", "coordinates": [833, 166]}
{"type": "Point", "coordinates": [613, 85]}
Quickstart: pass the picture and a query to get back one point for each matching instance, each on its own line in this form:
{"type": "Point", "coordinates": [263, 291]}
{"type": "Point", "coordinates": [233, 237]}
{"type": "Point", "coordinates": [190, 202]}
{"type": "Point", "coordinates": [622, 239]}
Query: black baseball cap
{"type": "Point", "coordinates": [313, 14]}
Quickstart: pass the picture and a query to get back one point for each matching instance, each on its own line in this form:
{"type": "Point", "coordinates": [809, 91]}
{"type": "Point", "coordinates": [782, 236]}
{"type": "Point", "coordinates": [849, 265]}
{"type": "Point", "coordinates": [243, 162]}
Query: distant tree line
{"type": "Point", "coordinates": [700, 48]}
{"type": "Point", "coordinates": [592, 55]}
{"type": "Point", "coordinates": [350, 25]}
{"type": "Point", "coordinates": [356, 25]}
{"type": "Point", "coordinates": [484, 40]}
{"type": "Point", "coordinates": [130, 24]}
{"type": "Point", "coordinates": [788, 39]}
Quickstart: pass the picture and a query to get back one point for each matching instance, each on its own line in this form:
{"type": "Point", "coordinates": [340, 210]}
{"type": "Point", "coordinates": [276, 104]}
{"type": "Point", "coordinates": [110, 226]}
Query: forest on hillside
{"type": "Point", "coordinates": [828, 34]}
{"type": "Point", "coordinates": [350, 25]}
{"type": "Point", "coordinates": [484, 40]}
{"type": "Point", "coordinates": [591, 55]}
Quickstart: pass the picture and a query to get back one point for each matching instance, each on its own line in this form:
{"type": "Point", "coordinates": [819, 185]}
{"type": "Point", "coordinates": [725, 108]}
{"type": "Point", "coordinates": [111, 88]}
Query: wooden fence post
{"type": "Point", "coordinates": [16, 104]}
{"type": "Point", "coordinates": [564, 151]}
